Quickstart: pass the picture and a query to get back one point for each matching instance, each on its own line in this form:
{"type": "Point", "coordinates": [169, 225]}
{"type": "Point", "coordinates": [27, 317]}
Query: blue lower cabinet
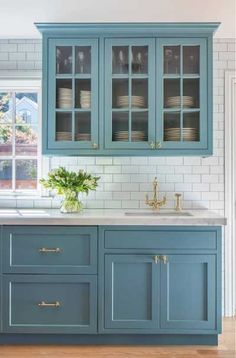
{"type": "Point", "coordinates": [188, 292]}
{"type": "Point", "coordinates": [131, 292]}
{"type": "Point", "coordinates": [50, 250]}
{"type": "Point", "coordinates": [50, 304]}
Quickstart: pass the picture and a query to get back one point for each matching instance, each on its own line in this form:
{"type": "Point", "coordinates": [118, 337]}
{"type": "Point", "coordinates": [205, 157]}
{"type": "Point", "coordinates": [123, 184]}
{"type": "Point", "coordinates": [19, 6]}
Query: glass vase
{"type": "Point", "coordinates": [71, 203]}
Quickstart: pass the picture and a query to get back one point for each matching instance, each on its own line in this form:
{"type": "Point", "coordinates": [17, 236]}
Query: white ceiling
{"type": "Point", "coordinates": [17, 17]}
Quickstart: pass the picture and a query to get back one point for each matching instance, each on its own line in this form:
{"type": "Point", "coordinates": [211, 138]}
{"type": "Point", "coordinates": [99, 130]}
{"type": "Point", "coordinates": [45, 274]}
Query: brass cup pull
{"type": "Point", "coordinates": [45, 304]}
{"type": "Point", "coordinates": [158, 145]}
{"type": "Point", "coordinates": [164, 259]}
{"type": "Point", "coordinates": [152, 145]}
{"type": "Point", "coordinates": [156, 259]}
{"type": "Point", "coordinates": [55, 250]}
{"type": "Point", "coordinates": [95, 145]}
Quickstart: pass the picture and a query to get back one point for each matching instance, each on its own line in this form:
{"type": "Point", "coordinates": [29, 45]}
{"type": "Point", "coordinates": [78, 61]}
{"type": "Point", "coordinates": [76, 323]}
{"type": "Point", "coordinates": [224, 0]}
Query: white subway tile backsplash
{"type": "Point", "coordinates": [192, 178]}
{"type": "Point", "coordinates": [103, 161]}
{"type": "Point", "coordinates": [130, 187]}
{"type": "Point", "coordinates": [201, 187]}
{"type": "Point", "coordinates": [130, 204]}
{"type": "Point", "coordinates": [130, 169]}
{"type": "Point", "coordinates": [112, 169]}
{"type": "Point", "coordinates": [121, 195]}
{"type": "Point", "coordinates": [175, 178]}
{"type": "Point", "coordinates": [183, 187]}
{"type": "Point", "coordinates": [212, 178]}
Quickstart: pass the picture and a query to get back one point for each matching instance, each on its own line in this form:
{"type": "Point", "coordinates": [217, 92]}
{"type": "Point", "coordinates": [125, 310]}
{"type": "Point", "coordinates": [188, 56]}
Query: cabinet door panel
{"type": "Point", "coordinates": [131, 292]}
{"type": "Point", "coordinates": [73, 100]}
{"type": "Point", "coordinates": [183, 120]}
{"type": "Point", "coordinates": [129, 93]}
{"type": "Point", "coordinates": [188, 292]}
{"type": "Point", "coordinates": [53, 304]}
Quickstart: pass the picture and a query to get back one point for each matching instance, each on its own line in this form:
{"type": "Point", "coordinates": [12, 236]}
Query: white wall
{"type": "Point", "coordinates": [18, 16]}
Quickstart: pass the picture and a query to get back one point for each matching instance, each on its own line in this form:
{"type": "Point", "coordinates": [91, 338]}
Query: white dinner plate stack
{"type": "Point", "coordinates": [176, 101]}
{"type": "Point", "coordinates": [136, 136]}
{"type": "Point", "coordinates": [85, 99]}
{"type": "Point", "coordinates": [174, 134]}
{"type": "Point", "coordinates": [64, 99]}
{"type": "Point", "coordinates": [136, 101]}
{"type": "Point", "coordinates": [83, 137]}
{"type": "Point", "coordinates": [60, 136]}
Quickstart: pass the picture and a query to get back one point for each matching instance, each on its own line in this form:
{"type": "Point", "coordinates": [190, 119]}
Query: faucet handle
{"type": "Point", "coordinates": [178, 202]}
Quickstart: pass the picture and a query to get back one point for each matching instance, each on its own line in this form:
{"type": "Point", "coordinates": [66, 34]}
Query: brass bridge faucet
{"type": "Point", "coordinates": [155, 203]}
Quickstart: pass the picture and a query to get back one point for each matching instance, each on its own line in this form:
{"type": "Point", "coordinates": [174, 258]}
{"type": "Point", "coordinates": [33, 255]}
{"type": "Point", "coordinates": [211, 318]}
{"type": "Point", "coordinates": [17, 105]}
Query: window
{"type": "Point", "coordinates": [19, 136]}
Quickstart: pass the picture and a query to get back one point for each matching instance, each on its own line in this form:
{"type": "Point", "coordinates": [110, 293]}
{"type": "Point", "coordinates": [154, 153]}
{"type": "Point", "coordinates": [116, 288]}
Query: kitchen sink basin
{"type": "Point", "coordinates": [158, 213]}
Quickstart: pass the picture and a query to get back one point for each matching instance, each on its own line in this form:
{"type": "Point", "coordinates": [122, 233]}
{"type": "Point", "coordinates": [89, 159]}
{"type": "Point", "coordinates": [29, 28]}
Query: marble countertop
{"type": "Point", "coordinates": [109, 217]}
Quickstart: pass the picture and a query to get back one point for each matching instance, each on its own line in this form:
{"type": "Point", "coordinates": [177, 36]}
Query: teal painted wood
{"type": "Point", "coordinates": [125, 28]}
{"type": "Point", "coordinates": [77, 250]}
{"type": "Point", "coordinates": [77, 296]}
{"type": "Point", "coordinates": [109, 44]}
{"type": "Point", "coordinates": [194, 254]}
{"type": "Point", "coordinates": [77, 146]}
{"type": "Point", "coordinates": [131, 292]}
{"type": "Point", "coordinates": [1, 295]}
{"type": "Point", "coordinates": [158, 238]}
{"type": "Point", "coordinates": [188, 292]}
{"type": "Point", "coordinates": [121, 339]}
{"type": "Point", "coordinates": [86, 32]}
{"type": "Point", "coordinates": [205, 143]}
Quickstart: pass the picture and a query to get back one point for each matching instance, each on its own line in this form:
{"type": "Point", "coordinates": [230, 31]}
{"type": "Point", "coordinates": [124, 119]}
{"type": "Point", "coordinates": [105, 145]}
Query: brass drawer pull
{"type": "Point", "coordinates": [50, 250]}
{"type": "Point", "coordinates": [156, 259]}
{"type": "Point", "coordinates": [45, 304]}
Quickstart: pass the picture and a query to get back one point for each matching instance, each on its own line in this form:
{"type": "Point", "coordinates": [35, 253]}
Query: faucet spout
{"type": "Point", "coordinates": [156, 203]}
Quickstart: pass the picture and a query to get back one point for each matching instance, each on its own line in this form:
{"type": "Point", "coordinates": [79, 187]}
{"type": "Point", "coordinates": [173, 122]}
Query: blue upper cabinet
{"type": "Point", "coordinates": [127, 89]}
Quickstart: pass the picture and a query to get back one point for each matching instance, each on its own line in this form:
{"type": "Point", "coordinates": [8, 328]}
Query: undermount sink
{"type": "Point", "coordinates": [158, 213]}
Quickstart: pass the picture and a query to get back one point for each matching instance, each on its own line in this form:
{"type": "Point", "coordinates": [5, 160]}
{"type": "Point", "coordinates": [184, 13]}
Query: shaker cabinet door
{"type": "Point", "coordinates": [183, 110]}
{"type": "Point", "coordinates": [129, 94]}
{"type": "Point", "coordinates": [72, 94]}
{"type": "Point", "coordinates": [131, 292]}
{"type": "Point", "coordinates": [188, 292]}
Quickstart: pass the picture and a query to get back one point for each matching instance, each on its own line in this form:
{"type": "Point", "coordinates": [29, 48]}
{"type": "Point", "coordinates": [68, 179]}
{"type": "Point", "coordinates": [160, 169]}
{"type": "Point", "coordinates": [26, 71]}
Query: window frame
{"type": "Point", "coordinates": [25, 85]}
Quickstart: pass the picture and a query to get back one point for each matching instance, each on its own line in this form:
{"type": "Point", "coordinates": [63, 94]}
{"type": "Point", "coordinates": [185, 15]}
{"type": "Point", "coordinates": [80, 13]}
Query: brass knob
{"type": "Point", "coordinates": [164, 259]}
{"type": "Point", "coordinates": [156, 259]}
{"type": "Point", "coordinates": [158, 145]}
{"type": "Point", "coordinates": [152, 145]}
{"type": "Point", "coordinates": [95, 145]}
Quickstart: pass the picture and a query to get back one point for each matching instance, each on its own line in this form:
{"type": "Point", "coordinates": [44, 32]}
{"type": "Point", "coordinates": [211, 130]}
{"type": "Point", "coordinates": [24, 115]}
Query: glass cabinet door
{"type": "Point", "coordinates": [129, 93]}
{"type": "Point", "coordinates": [181, 93]}
{"type": "Point", "coordinates": [73, 94]}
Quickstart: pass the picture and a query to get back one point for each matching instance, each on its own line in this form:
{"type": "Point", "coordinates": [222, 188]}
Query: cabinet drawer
{"type": "Point", "coordinates": [50, 304]}
{"type": "Point", "coordinates": [168, 238]}
{"type": "Point", "coordinates": [44, 249]}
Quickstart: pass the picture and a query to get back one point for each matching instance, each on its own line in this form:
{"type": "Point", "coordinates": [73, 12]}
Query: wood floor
{"type": "Point", "coordinates": [226, 349]}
